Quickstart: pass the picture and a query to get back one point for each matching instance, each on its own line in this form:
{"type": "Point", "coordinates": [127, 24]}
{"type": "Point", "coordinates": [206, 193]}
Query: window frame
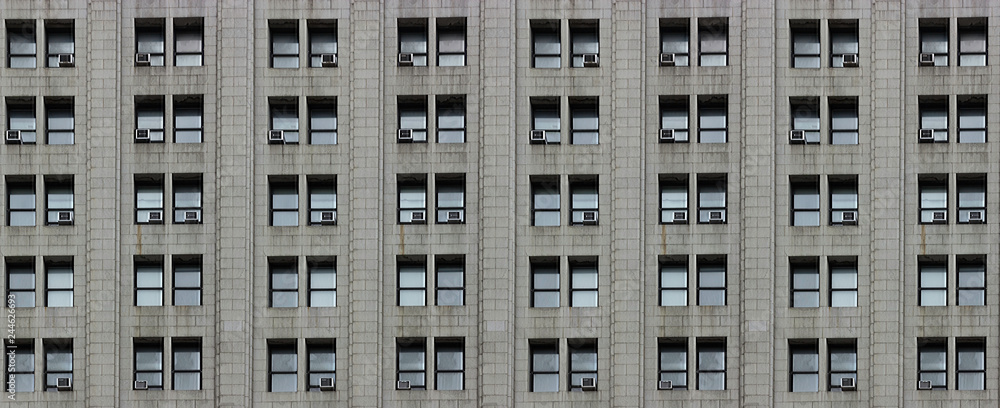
{"type": "Point", "coordinates": [580, 350]}
{"type": "Point", "coordinates": [805, 117]}
{"type": "Point", "coordinates": [849, 349]}
{"type": "Point", "coordinates": [187, 185]}
{"type": "Point", "coordinates": [546, 115]}
{"type": "Point", "coordinates": [539, 348]}
{"type": "Point", "coordinates": [285, 188]}
{"type": "Point", "coordinates": [938, 346]}
{"type": "Point", "coordinates": [22, 115]}
{"type": "Point", "coordinates": [970, 265]}
{"type": "Point", "coordinates": [709, 30]}
{"type": "Point", "coordinates": [579, 111]}
{"type": "Point", "coordinates": [544, 189]}
{"type": "Point", "coordinates": [24, 266]}
{"type": "Point", "coordinates": [928, 185]}
{"type": "Point", "coordinates": [275, 349]}
{"type": "Point", "coordinates": [150, 114]}
{"type": "Point", "coordinates": [58, 267]}
{"type": "Point", "coordinates": [708, 265]}
{"type": "Point", "coordinates": [285, 110]}
{"type": "Point", "coordinates": [182, 265]}
{"type": "Point", "coordinates": [969, 27]}
{"type": "Point", "coordinates": [448, 184]}
{"type": "Point", "coordinates": [972, 108]}
{"type": "Point", "coordinates": [926, 286]}
{"type": "Point", "coordinates": [839, 30]}
{"type": "Point", "coordinates": [17, 190]}
{"type": "Point", "coordinates": [320, 189]}
{"type": "Point", "coordinates": [411, 185]}
{"type": "Point", "coordinates": [805, 189]}
{"type": "Point", "coordinates": [803, 375]}
{"type": "Point", "coordinates": [442, 266]}
{"type": "Point", "coordinates": [931, 110]}
{"type": "Point", "coordinates": [441, 347]}
{"type": "Point", "coordinates": [187, 29]}
{"type": "Point", "coordinates": [320, 112]}
{"type": "Point", "coordinates": [673, 346]}
{"type": "Point", "coordinates": [315, 351]}
{"type": "Point", "coordinates": [413, 116]}
{"type": "Point", "coordinates": [545, 266]}
{"type": "Point", "coordinates": [712, 184]}
{"type": "Point", "coordinates": [967, 188]}
{"type": "Point", "coordinates": [805, 44]}
{"type": "Point", "coordinates": [704, 348]}
{"type": "Point", "coordinates": [155, 29]}
{"type": "Point", "coordinates": [547, 30]}
{"type": "Point", "coordinates": [931, 32]}
{"type": "Point", "coordinates": [284, 30]}
{"type": "Point", "coordinates": [416, 266]}
{"type": "Point", "coordinates": [837, 107]}
{"type": "Point", "coordinates": [447, 106]}
{"type": "Point", "coordinates": [447, 28]}
{"type": "Point", "coordinates": [968, 346]}
{"type": "Point", "coordinates": [319, 33]}
{"type": "Point", "coordinates": [418, 347]}
{"type": "Point", "coordinates": [317, 267]}
{"type": "Point", "coordinates": [839, 266]}
{"type": "Point", "coordinates": [580, 187]}
{"type": "Point", "coordinates": [680, 265]}
{"type": "Point", "coordinates": [150, 266]}
{"type": "Point", "coordinates": [54, 30]}
{"type": "Point", "coordinates": [418, 44]}
{"type": "Point", "coordinates": [580, 32]}
{"type": "Point", "coordinates": [578, 269]}
{"type": "Point", "coordinates": [23, 27]}
{"type": "Point", "coordinates": [25, 355]}
{"type": "Point", "coordinates": [289, 268]}
{"type": "Point", "coordinates": [154, 347]}
{"type": "Point", "coordinates": [55, 112]}
{"type": "Point", "coordinates": [708, 108]}
{"type": "Point", "coordinates": [806, 268]}
{"type": "Point", "coordinates": [53, 349]}
{"type": "Point", "coordinates": [188, 104]}
{"type": "Point", "coordinates": [843, 188]}
{"type": "Point", "coordinates": [183, 345]}
{"type": "Point", "coordinates": [680, 49]}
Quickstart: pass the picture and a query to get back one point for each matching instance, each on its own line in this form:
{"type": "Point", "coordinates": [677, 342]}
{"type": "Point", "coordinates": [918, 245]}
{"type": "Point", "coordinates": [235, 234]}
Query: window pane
{"type": "Point", "coordinates": [283, 382]}
{"type": "Point", "coordinates": [932, 358]}
{"type": "Point", "coordinates": [934, 197]}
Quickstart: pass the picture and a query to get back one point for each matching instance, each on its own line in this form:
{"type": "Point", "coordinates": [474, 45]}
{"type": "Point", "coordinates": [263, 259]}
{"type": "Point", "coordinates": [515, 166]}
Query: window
{"type": "Point", "coordinates": [148, 282]}
{"type": "Point", "coordinates": [412, 198]}
{"type": "Point", "coordinates": [583, 41]}
{"type": "Point", "coordinates": [413, 119]}
{"type": "Point", "coordinates": [674, 39]}
{"type": "Point", "coordinates": [713, 39]}
{"type": "Point", "coordinates": [711, 199]}
{"type": "Point", "coordinates": [322, 41]}
{"type": "Point", "coordinates": [284, 283]}
{"type": "Point", "coordinates": [58, 361]}
{"type": "Point", "coordinates": [805, 117]}
{"type": "Point", "coordinates": [843, 42]}
{"type": "Point", "coordinates": [971, 198]}
{"type": "Point", "coordinates": [545, 117]}
{"type": "Point", "coordinates": [150, 39]}
{"type": "Point", "coordinates": [544, 365]}
{"type": "Point", "coordinates": [972, 43]}
{"type": "Point", "coordinates": [449, 364]}
{"type": "Point", "coordinates": [932, 362]}
{"type": "Point", "coordinates": [59, 43]}
{"type": "Point", "coordinates": [413, 41]}
{"type": "Point", "coordinates": [187, 281]}
{"type": "Point", "coordinates": [21, 117]}
{"type": "Point", "coordinates": [933, 199]}
{"type": "Point", "coordinates": [933, 282]}
{"type": "Point", "coordinates": [971, 363]}
{"type": "Point", "coordinates": [21, 44]}
{"type": "Point", "coordinates": [59, 125]}
{"type": "Point", "coordinates": [545, 202]}
{"type": "Point", "coordinates": [187, 364]}
{"type": "Point", "coordinates": [149, 362]}
{"type": "Point", "coordinates": [583, 283]}
{"type": "Point", "coordinates": [843, 200]}
{"type": "Point", "coordinates": [148, 198]}
{"type": "Point", "coordinates": [805, 282]}
{"type": "Point", "coordinates": [711, 281]}
{"type": "Point", "coordinates": [59, 283]}
{"type": "Point", "coordinates": [674, 116]}
{"type": "Point", "coordinates": [322, 200]}
{"type": "Point", "coordinates": [843, 282]}
{"type": "Point", "coordinates": [933, 119]}
{"type": "Point", "coordinates": [412, 281]}
{"type": "Point", "coordinates": [972, 119]}
{"type": "Point", "coordinates": [23, 368]}
{"type": "Point", "coordinates": [285, 118]}
{"type": "Point", "coordinates": [583, 121]}
{"type": "Point", "coordinates": [411, 357]}
{"type": "Point", "coordinates": [187, 198]}
{"type": "Point", "coordinates": [843, 361]}
{"type": "Point", "coordinates": [323, 121]}
{"type": "Point", "coordinates": [284, 201]}
{"type": "Point", "coordinates": [673, 282]}
{"type": "Point", "coordinates": [711, 364]}
{"type": "Point", "coordinates": [451, 42]}
{"type": "Point", "coordinates": [844, 121]}
{"type": "Point", "coordinates": [934, 42]}
{"type": "Point", "coordinates": [149, 119]}
{"type": "Point", "coordinates": [188, 42]}
{"type": "Point", "coordinates": [674, 362]}
{"type": "Point", "coordinates": [805, 43]}
{"type": "Point", "coordinates": [712, 119]}
{"type": "Point", "coordinates": [544, 282]}
{"type": "Point", "coordinates": [284, 44]}
{"type": "Point", "coordinates": [803, 357]}
{"type": "Point", "coordinates": [451, 119]}
{"type": "Point", "coordinates": [583, 200]}
{"type": "Point", "coordinates": [283, 366]}
{"type": "Point", "coordinates": [322, 282]}
{"type": "Point", "coordinates": [546, 44]}
{"type": "Point", "coordinates": [450, 281]}
{"type": "Point", "coordinates": [188, 125]}
{"type": "Point", "coordinates": [450, 198]}
{"type": "Point", "coordinates": [805, 200]}
{"type": "Point", "coordinates": [673, 199]}
{"type": "Point", "coordinates": [20, 201]}
{"type": "Point", "coordinates": [21, 282]}
{"type": "Point", "coordinates": [971, 280]}
{"type": "Point", "coordinates": [582, 362]}
{"type": "Point", "coordinates": [322, 362]}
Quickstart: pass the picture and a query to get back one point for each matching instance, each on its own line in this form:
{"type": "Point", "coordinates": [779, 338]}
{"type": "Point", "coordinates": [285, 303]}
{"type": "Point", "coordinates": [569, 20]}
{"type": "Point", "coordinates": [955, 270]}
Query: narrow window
{"type": "Point", "coordinates": [712, 199]}
{"type": "Point", "coordinates": [322, 282]}
{"type": "Point", "coordinates": [582, 362]}
{"type": "Point", "coordinates": [844, 51]}
{"type": "Point", "coordinates": [583, 121]}
{"type": "Point", "coordinates": [60, 45]}
{"type": "Point", "coordinates": [322, 362]}
{"type": "Point", "coordinates": [673, 199]}
{"type": "Point", "coordinates": [843, 362]}
{"type": "Point", "coordinates": [674, 363]}
{"type": "Point", "coordinates": [583, 200]}
{"type": "Point", "coordinates": [545, 202]}
{"type": "Point", "coordinates": [805, 200]}
{"type": "Point", "coordinates": [150, 40]}
{"type": "Point", "coordinates": [21, 282]}
{"type": "Point", "coordinates": [584, 43]}
{"type": "Point", "coordinates": [971, 280]}
{"type": "Point", "coordinates": [546, 46]}
{"type": "Point", "coordinates": [412, 281]}
{"type": "Point", "coordinates": [21, 118]}
{"type": "Point", "coordinates": [805, 281]}
{"type": "Point", "coordinates": [148, 282]}
{"type": "Point", "coordinates": [972, 42]}
{"type": "Point", "coordinates": [544, 365]}
{"type": "Point", "coordinates": [149, 363]}
{"type": "Point", "coordinates": [932, 362]}
{"type": "Point", "coordinates": [674, 115]}
{"type": "Point", "coordinates": [843, 200]}
{"type": "Point", "coordinates": [284, 201]}
{"type": "Point", "coordinates": [843, 282]}
{"type": "Point", "coordinates": [58, 362]}
{"type": "Point", "coordinates": [187, 199]}
{"type": "Point", "coordinates": [675, 41]}
{"type": "Point", "coordinates": [149, 122]}
{"type": "Point", "coordinates": [412, 198]}
{"type": "Point", "coordinates": [805, 43]}
{"type": "Point", "coordinates": [451, 42]}
{"type": "Point", "coordinates": [283, 366]}
{"type": "Point", "coordinates": [711, 364]}
{"type": "Point", "coordinates": [59, 282]}
{"type": "Point", "coordinates": [711, 281]}
{"type": "Point", "coordinates": [934, 42]}
{"type": "Point", "coordinates": [933, 282]}
{"type": "Point", "coordinates": [674, 282]}
{"type": "Point", "coordinates": [844, 121]}
{"type": "Point", "coordinates": [933, 199]}
{"type": "Point", "coordinates": [450, 198]}
{"type": "Point", "coordinates": [803, 365]}
{"type": "Point", "coordinates": [22, 371]}
{"type": "Point", "coordinates": [323, 121]}
{"type": "Point", "coordinates": [411, 361]}
{"type": "Point", "coordinates": [21, 51]}
{"type": "Point", "coordinates": [188, 42]}
{"type": "Point", "coordinates": [805, 118]}
{"type": "Point", "coordinates": [413, 41]}
{"type": "Point", "coordinates": [545, 118]}
{"type": "Point", "coordinates": [712, 123]}
{"type": "Point", "coordinates": [972, 119]}
{"type": "Point", "coordinates": [544, 282]}
{"type": "Point", "coordinates": [933, 119]}
{"type": "Point", "coordinates": [971, 363]}
{"type": "Point", "coordinates": [583, 282]}
{"type": "Point", "coordinates": [187, 364]}
{"type": "Point", "coordinates": [450, 281]}
{"type": "Point", "coordinates": [412, 119]}
{"type": "Point", "coordinates": [449, 364]}
{"type": "Point", "coordinates": [451, 119]}
{"type": "Point", "coordinates": [713, 36]}
{"type": "Point", "coordinates": [284, 283]}
{"type": "Point", "coordinates": [187, 280]}
{"type": "Point", "coordinates": [971, 198]}
{"type": "Point", "coordinates": [322, 200]}
{"type": "Point", "coordinates": [322, 43]}
{"type": "Point", "coordinates": [285, 118]}
{"type": "Point", "coordinates": [284, 44]}
{"type": "Point", "coordinates": [20, 202]}
{"type": "Point", "coordinates": [188, 114]}
{"type": "Point", "coordinates": [59, 125]}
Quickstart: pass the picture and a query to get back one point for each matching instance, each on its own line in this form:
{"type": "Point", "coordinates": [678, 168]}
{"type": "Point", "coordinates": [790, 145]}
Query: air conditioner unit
{"type": "Point", "coordinates": [976, 217]}
{"type": "Point", "coordinates": [537, 136]}
{"type": "Point", "coordinates": [405, 59]}
{"type": "Point", "coordinates": [716, 217]}
{"type": "Point", "coordinates": [848, 384]}
{"type": "Point", "coordinates": [13, 137]}
{"type": "Point", "coordinates": [590, 60]}
{"type": "Point", "coordinates": [328, 217]}
{"type": "Point", "coordinates": [849, 217]}
{"type": "Point", "coordinates": [64, 217]}
{"type": "Point", "coordinates": [404, 135]}
{"type": "Point", "coordinates": [850, 60]}
{"type": "Point", "coordinates": [924, 385]}
{"type": "Point", "coordinates": [667, 60]}
{"type": "Point", "coordinates": [926, 135]}
{"type": "Point", "coordinates": [142, 59]}
{"type": "Point", "coordinates": [140, 385]}
{"type": "Point", "coordinates": [455, 217]}
{"type": "Point", "coordinates": [418, 217]}
{"type": "Point", "coordinates": [156, 217]}
{"type": "Point", "coordinates": [64, 383]}
{"type": "Point", "coordinates": [276, 136]}
{"type": "Point", "coordinates": [192, 217]}
{"type": "Point", "coordinates": [142, 135]}
{"type": "Point", "coordinates": [926, 59]}
{"type": "Point", "coordinates": [590, 217]}
{"type": "Point", "coordinates": [667, 136]}
{"type": "Point", "coordinates": [402, 385]}
{"type": "Point", "coordinates": [665, 385]}
{"type": "Point", "coordinates": [66, 60]}
{"type": "Point", "coordinates": [797, 136]}
{"type": "Point", "coordinates": [680, 217]}
{"type": "Point", "coordinates": [328, 60]}
{"type": "Point", "coordinates": [939, 217]}
{"type": "Point", "coordinates": [588, 384]}
{"type": "Point", "coordinates": [326, 384]}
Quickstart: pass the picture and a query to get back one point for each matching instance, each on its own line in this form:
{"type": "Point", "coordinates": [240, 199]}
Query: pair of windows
{"type": "Point", "coordinates": [969, 281]}
{"type": "Point", "coordinates": [151, 282]}
{"type": "Point", "coordinates": [935, 126]}
{"type": "Point", "coordinates": [807, 125]}
{"type": "Point", "coordinates": [284, 120]}
{"type": "Point", "coordinates": [709, 280]}
{"type": "Point", "coordinates": [416, 43]}
{"type": "Point", "coordinates": [448, 364]}
{"type": "Point", "coordinates": [187, 39]}
{"type": "Point", "coordinates": [22, 206]}
{"type": "Point", "coordinates": [805, 282]}
{"type": "Point", "coordinates": [804, 364]}
{"type": "Point", "coordinates": [709, 362]}
{"type": "Point", "coordinates": [711, 203]}
{"type": "Point", "coordinates": [970, 200]}
{"type": "Point", "coordinates": [545, 365]}
{"type": "Point", "coordinates": [23, 126]}
{"type": "Point", "coordinates": [547, 123]}
{"type": "Point", "coordinates": [969, 360]}
{"type": "Point", "coordinates": [414, 113]}
{"type": "Point", "coordinates": [322, 193]}
{"type": "Point", "coordinates": [149, 198]}
{"type": "Point", "coordinates": [283, 365]}
{"type": "Point", "coordinates": [934, 42]}
{"type": "Point", "coordinates": [184, 366]}
{"type": "Point", "coordinates": [321, 282]}
{"type": "Point", "coordinates": [546, 40]}
{"type": "Point", "coordinates": [713, 42]}
{"type": "Point", "coordinates": [56, 366]}
{"type": "Point", "coordinates": [285, 47]}
{"type": "Point", "coordinates": [712, 119]}
{"type": "Point", "coordinates": [448, 284]}
{"type": "Point", "coordinates": [546, 207]}
{"type": "Point", "coordinates": [843, 194]}
{"type": "Point", "coordinates": [806, 40]}
{"type": "Point", "coordinates": [546, 281]}
{"type": "Point", "coordinates": [22, 51]}
{"type": "Point", "coordinates": [449, 189]}
{"type": "Point", "coordinates": [186, 110]}
{"type": "Point", "coordinates": [56, 280]}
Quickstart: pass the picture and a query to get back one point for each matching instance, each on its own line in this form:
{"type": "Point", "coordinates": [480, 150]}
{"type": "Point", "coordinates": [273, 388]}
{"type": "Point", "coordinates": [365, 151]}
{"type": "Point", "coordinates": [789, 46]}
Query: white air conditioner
{"type": "Point", "coordinates": [679, 217]}
{"type": "Point", "coordinates": [64, 384]}
{"type": "Point", "coordinates": [590, 60]}
{"type": "Point", "coordinates": [418, 217]}
{"type": "Point", "coordinates": [925, 135]}
{"type": "Point", "coordinates": [665, 385]}
{"type": "Point", "coordinates": [589, 217]}
{"type": "Point", "coordinates": [455, 217]}
{"type": "Point", "coordinates": [140, 385]}
{"type": "Point", "coordinates": [976, 217]}
{"type": "Point", "coordinates": [192, 217]}
{"type": "Point", "coordinates": [588, 384]}
{"type": "Point", "coordinates": [64, 217]}
{"type": "Point", "coordinates": [939, 217]}
{"type": "Point", "coordinates": [667, 60]}
{"type": "Point", "coordinates": [849, 217]}
{"type": "Point", "coordinates": [848, 384]}
{"type": "Point", "coordinates": [328, 60]}
{"type": "Point", "coordinates": [404, 135]}
{"type": "Point", "coordinates": [66, 60]}
{"type": "Point", "coordinates": [850, 60]}
{"type": "Point", "coordinates": [797, 136]}
{"type": "Point", "coordinates": [402, 385]}
{"type": "Point", "coordinates": [716, 217]}
{"type": "Point", "coordinates": [13, 137]}
{"type": "Point", "coordinates": [326, 384]}
{"type": "Point", "coordinates": [537, 136]}
{"type": "Point", "coordinates": [142, 135]}
{"type": "Point", "coordinates": [328, 217]}
{"type": "Point", "coordinates": [924, 385]}
{"type": "Point", "coordinates": [926, 59]}
{"type": "Point", "coordinates": [276, 136]}
{"type": "Point", "coordinates": [156, 217]}
{"type": "Point", "coordinates": [142, 59]}
{"type": "Point", "coordinates": [405, 59]}
{"type": "Point", "coordinates": [667, 136]}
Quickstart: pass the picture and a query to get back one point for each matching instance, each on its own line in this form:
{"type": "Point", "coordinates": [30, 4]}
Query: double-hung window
{"type": "Point", "coordinates": [932, 362]}
{"type": "Point", "coordinates": [449, 364]}
{"type": "Point", "coordinates": [546, 44]}
{"type": "Point", "coordinates": [844, 43]}
{"type": "Point", "coordinates": [284, 44]}
{"type": "Point", "coordinates": [970, 364]}
{"type": "Point", "coordinates": [673, 199]}
{"type": "Point", "coordinates": [544, 365]}
{"type": "Point", "coordinates": [412, 198]}
{"type": "Point", "coordinates": [21, 49]}
{"type": "Point", "coordinates": [187, 198]}
{"type": "Point", "coordinates": [972, 119]}
{"type": "Point", "coordinates": [843, 282]}
{"type": "Point", "coordinates": [674, 362]}
{"type": "Point", "coordinates": [583, 200]}
{"type": "Point", "coordinates": [545, 202]}
{"type": "Point", "coordinates": [150, 40]}
{"type": "Point", "coordinates": [451, 119]}
{"type": "Point", "coordinates": [21, 282]}
{"type": "Point", "coordinates": [584, 43]}
{"type": "Point", "coordinates": [322, 362]}
{"type": "Point", "coordinates": [713, 41]}
{"type": "Point", "coordinates": [805, 119]}
{"type": "Point", "coordinates": [972, 42]}
{"type": "Point", "coordinates": [412, 281]}
{"type": "Point", "coordinates": [149, 122]}
{"type": "Point", "coordinates": [186, 364]}
{"type": "Point", "coordinates": [284, 201]}
{"type": "Point", "coordinates": [844, 121]}
{"type": "Point", "coordinates": [149, 199]}
{"type": "Point", "coordinates": [411, 361]}
{"type": "Point", "coordinates": [58, 362]}
{"type": "Point", "coordinates": [22, 371]}
{"type": "Point", "coordinates": [933, 283]}
{"type": "Point", "coordinates": [21, 117]}
{"type": "Point", "coordinates": [971, 198]}
{"type": "Point", "coordinates": [583, 121]}
{"type": "Point", "coordinates": [285, 118]}
{"type": "Point", "coordinates": [284, 283]}
{"type": "Point", "coordinates": [934, 42]}
{"type": "Point", "coordinates": [283, 366]}
{"type": "Point", "coordinates": [711, 199]}
{"type": "Point", "coordinates": [451, 42]}
{"type": "Point", "coordinates": [20, 201]}
{"type": "Point", "coordinates": [583, 283]}
{"type": "Point", "coordinates": [322, 200]}
{"type": "Point", "coordinates": [933, 119]}
{"type": "Point", "coordinates": [843, 362]}
{"type": "Point", "coordinates": [149, 363]}
{"type": "Point", "coordinates": [188, 114]}
{"type": "Point", "coordinates": [188, 42]}
{"type": "Point", "coordinates": [545, 283]}
{"type": "Point", "coordinates": [58, 283]}
{"type": "Point", "coordinates": [674, 282]}
{"type": "Point", "coordinates": [674, 115]}
{"type": "Point", "coordinates": [149, 282]}
{"type": "Point", "coordinates": [450, 281]}
{"type": "Point", "coordinates": [805, 282]}
{"type": "Point", "coordinates": [805, 201]}
{"type": "Point", "coordinates": [803, 357]}
{"type": "Point", "coordinates": [322, 122]}
{"type": "Point", "coordinates": [843, 200]}
{"type": "Point", "coordinates": [60, 47]}
{"type": "Point", "coordinates": [322, 42]}
{"type": "Point", "coordinates": [413, 41]}
{"type": "Point", "coordinates": [545, 118]}
{"type": "Point", "coordinates": [933, 199]}
{"type": "Point", "coordinates": [712, 119]}
{"type": "Point", "coordinates": [711, 364]}
{"type": "Point", "coordinates": [187, 281]}
{"type": "Point", "coordinates": [971, 280]}
{"type": "Point", "coordinates": [59, 125]}
{"type": "Point", "coordinates": [675, 41]}
{"type": "Point", "coordinates": [711, 281]}
{"type": "Point", "coordinates": [805, 43]}
{"type": "Point", "coordinates": [582, 362]}
{"type": "Point", "coordinates": [322, 282]}
{"type": "Point", "coordinates": [450, 198]}
{"type": "Point", "coordinates": [412, 119]}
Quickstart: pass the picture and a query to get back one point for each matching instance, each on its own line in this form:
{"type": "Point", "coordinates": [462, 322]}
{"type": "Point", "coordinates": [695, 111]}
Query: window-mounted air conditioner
{"type": "Point", "coordinates": [192, 217]}
{"type": "Point", "coordinates": [939, 217]}
{"type": "Point", "coordinates": [275, 136]}
{"type": "Point", "coordinates": [590, 60]}
{"type": "Point", "coordinates": [328, 60]}
{"type": "Point", "coordinates": [976, 217]}
{"type": "Point", "coordinates": [455, 217]}
{"type": "Point", "coordinates": [64, 217]}
{"type": "Point", "coordinates": [849, 217]}
{"type": "Point", "coordinates": [667, 136]}
{"type": "Point", "coordinates": [926, 59]}
{"type": "Point", "coordinates": [402, 385]}
{"type": "Point", "coordinates": [537, 136]}
{"type": "Point", "coordinates": [142, 136]}
{"type": "Point", "coordinates": [140, 385]}
{"type": "Point", "coordinates": [404, 135]}
{"type": "Point", "coordinates": [665, 385]}
{"type": "Point", "coordinates": [850, 60]}
{"type": "Point", "coordinates": [667, 60]}
{"type": "Point", "coordinates": [64, 384]}
{"type": "Point", "coordinates": [589, 217]}
{"type": "Point", "coordinates": [326, 384]}
{"type": "Point", "coordinates": [588, 384]}
{"type": "Point", "coordinates": [418, 217]}
{"type": "Point", "coordinates": [679, 217]}
{"type": "Point", "coordinates": [328, 217]}
{"type": "Point", "coordinates": [142, 59]}
{"type": "Point", "coordinates": [156, 217]}
{"type": "Point", "coordinates": [66, 60]}
{"type": "Point", "coordinates": [797, 136]}
{"type": "Point", "coordinates": [925, 135]}
{"type": "Point", "coordinates": [924, 385]}
{"type": "Point", "coordinates": [405, 59]}
{"type": "Point", "coordinates": [848, 384]}
{"type": "Point", "coordinates": [716, 217]}
{"type": "Point", "coordinates": [13, 136]}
